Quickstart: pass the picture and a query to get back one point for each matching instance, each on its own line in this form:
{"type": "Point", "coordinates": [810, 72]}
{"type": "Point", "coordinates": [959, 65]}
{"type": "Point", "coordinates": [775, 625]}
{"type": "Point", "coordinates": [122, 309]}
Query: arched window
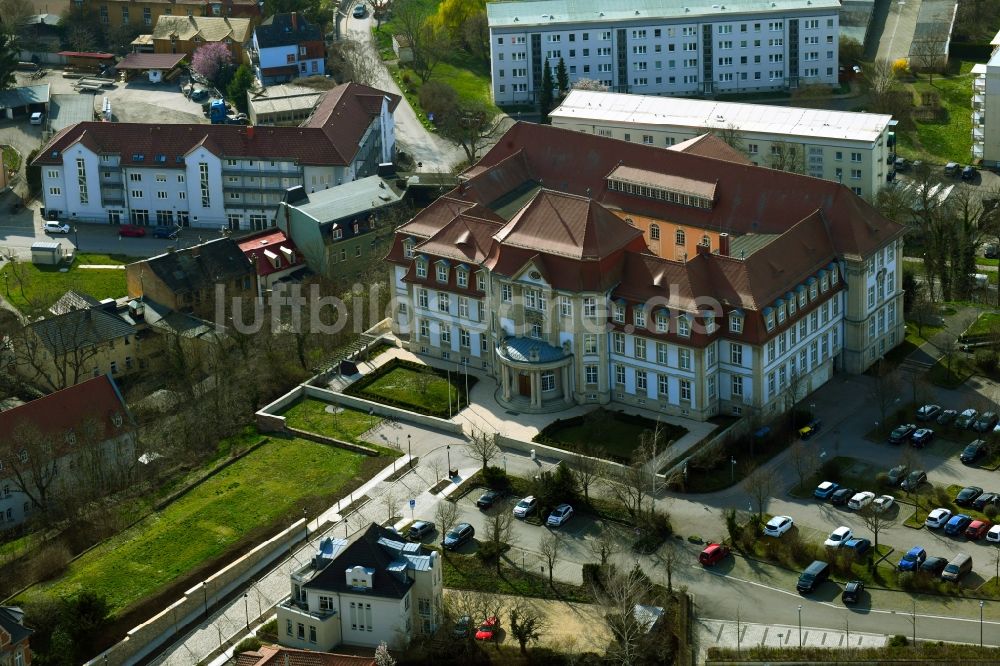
{"type": "Point", "coordinates": [679, 237]}
{"type": "Point", "coordinates": [654, 232]}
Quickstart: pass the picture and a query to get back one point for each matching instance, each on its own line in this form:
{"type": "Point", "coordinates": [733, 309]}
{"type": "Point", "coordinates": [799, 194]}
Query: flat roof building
{"type": "Point", "coordinates": [282, 105]}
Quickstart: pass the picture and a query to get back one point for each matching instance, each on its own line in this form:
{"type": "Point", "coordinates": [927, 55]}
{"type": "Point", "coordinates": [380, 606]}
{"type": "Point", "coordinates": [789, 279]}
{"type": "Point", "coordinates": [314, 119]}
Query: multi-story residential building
{"type": "Point", "coordinates": [273, 256]}
{"type": "Point", "coordinates": [986, 109]}
{"type": "Point", "coordinates": [343, 231]}
{"type": "Point", "coordinates": [376, 588]}
{"type": "Point", "coordinates": [213, 175]}
{"type": "Point", "coordinates": [285, 47]}
{"type": "Point", "coordinates": [81, 438]}
{"type": "Point", "coordinates": [14, 637]}
{"type": "Point", "coordinates": [186, 34]}
{"type": "Point", "coordinates": [187, 280]}
{"type": "Point", "coordinates": [579, 269]}
{"type": "Point", "coordinates": [144, 15]}
{"type": "Point", "coordinates": [695, 47]}
{"type": "Point", "coordinates": [855, 149]}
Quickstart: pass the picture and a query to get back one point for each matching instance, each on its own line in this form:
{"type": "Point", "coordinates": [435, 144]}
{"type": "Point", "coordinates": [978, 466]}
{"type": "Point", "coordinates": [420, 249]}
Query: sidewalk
{"type": "Point", "coordinates": [720, 633]}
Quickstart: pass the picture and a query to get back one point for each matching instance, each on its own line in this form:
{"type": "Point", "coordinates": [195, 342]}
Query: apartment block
{"type": "Point", "coordinates": [986, 109]}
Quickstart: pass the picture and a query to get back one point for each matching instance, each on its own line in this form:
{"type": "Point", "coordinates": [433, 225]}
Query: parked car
{"type": "Point", "coordinates": [459, 535]}
{"type": "Point", "coordinates": [938, 517]}
{"type": "Point", "coordinates": [921, 437]}
{"type": "Point", "coordinates": [977, 529]}
{"type": "Point", "coordinates": [559, 515]}
{"type": "Point", "coordinates": [420, 529]}
{"type": "Point", "coordinates": [713, 554]}
{"type": "Point", "coordinates": [813, 576]}
{"type": "Point", "coordinates": [957, 525]}
{"type": "Point", "coordinates": [463, 626]}
{"type": "Point", "coordinates": [131, 231]}
{"type": "Point", "coordinates": [852, 592]}
{"type": "Point", "coordinates": [36, 118]}
{"type": "Point", "coordinates": [778, 526]}
{"type": "Point", "coordinates": [951, 169]}
{"type": "Point", "coordinates": [985, 500]}
{"type": "Point", "coordinates": [967, 495]}
{"type": "Point", "coordinates": [973, 451]}
{"type": "Point", "coordinates": [825, 490]}
{"type": "Point", "coordinates": [901, 433]}
{"type": "Point", "coordinates": [947, 417]}
{"type": "Point", "coordinates": [959, 565]}
{"type": "Point", "coordinates": [966, 418]}
{"type": "Point", "coordinates": [359, 11]}
{"type": "Point", "coordinates": [928, 412]}
{"type": "Point", "coordinates": [913, 558]}
{"type": "Point", "coordinates": [859, 546]}
{"type": "Point", "coordinates": [841, 496]}
{"type": "Point", "coordinates": [807, 431]}
{"type": "Point", "coordinates": [488, 499]}
{"type": "Point", "coordinates": [163, 231]}
{"type": "Point", "coordinates": [53, 227]}
{"type": "Point", "coordinates": [861, 500]}
{"type": "Point", "coordinates": [934, 565]}
{"type": "Point", "coordinates": [913, 480]}
{"type": "Point", "coordinates": [968, 173]}
{"type": "Point", "coordinates": [897, 474]}
{"type": "Point", "coordinates": [900, 164]}
{"type": "Point", "coordinates": [838, 537]}
{"type": "Point", "coordinates": [883, 503]}
{"type": "Point", "coordinates": [526, 507]}
{"type": "Point", "coordinates": [993, 536]}
{"type": "Point", "coordinates": [488, 629]}
{"type": "Point", "coordinates": [199, 95]}
{"type": "Point", "coordinates": [985, 422]}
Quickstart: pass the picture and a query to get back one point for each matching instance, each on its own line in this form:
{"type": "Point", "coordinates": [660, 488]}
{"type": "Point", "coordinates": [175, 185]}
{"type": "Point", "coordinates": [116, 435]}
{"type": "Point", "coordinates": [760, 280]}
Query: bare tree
{"type": "Point", "coordinates": [922, 313]}
{"type": "Point", "coordinates": [803, 461]}
{"type": "Point", "coordinates": [761, 484]}
{"type": "Point", "coordinates": [498, 534]}
{"type": "Point", "coordinates": [589, 84]}
{"type": "Point", "coordinates": [633, 484]}
{"type": "Point", "coordinates": [484, 446]}
{"type": "Point", "coordinates": [472, 126]}
{"type": "Point", "coordinates": [378, 8]}
{"type": "Point", "coordinates": [526, 622]}
{"type": "Point", "coordinates": [550, 547]}
{"type": "Point", "coordinates": [353, 61]}
{"type": "Point", "coordinates": [884, 390]}
{"type": "Point", "coordinates": [670, 557]}
{"type": "Point", "coordinates": [446, 515]}
{"type": "Point", "coordinates": [930, 52]}
{"type": "Point", "coordinates": [605, 546]}
{"type": "Point", "coordinates": [58, 352]}
{"type": "Point", "coordinates": [620, 594]}
{"type": "Point", "coordinates": [787, 156]}
{"type": "Point", "coordinates": [875, 521]}
{"type": "Point", "coordinates": [732, 136]}
{"type": "Point", "coordinates": [587, 467]}
{"type": "Point", "coordinates": [389, 501]}
{"type": "Point", "coordinates": [32, 457]}
{"type": "Point", "coordinates": [429, 43]}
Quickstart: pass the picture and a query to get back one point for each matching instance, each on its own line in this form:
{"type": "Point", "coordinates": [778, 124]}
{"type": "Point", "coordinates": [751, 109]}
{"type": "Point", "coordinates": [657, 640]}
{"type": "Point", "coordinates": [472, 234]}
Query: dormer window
{"type": "Point", "coordinates": [662, 321]}
{"type": "Point", "coordinates": [481, 281]}
{"type": "Point", "coordinates": [639, 317]}
{"type": "Point", "coordinates": [338, 234]}
{"type": "Point", "coordinates": [408, 248]}
{"type": "Point", "coordinates": [824, 283]}
{"type": "Point", "coordinates": [709, 322]}
{"type": "Point", "coordinates": [833, 275]}
{"type": "Point", "coordinates": [791, 304]}
{"type": "Point", "coordinates": [781, 313]}
{"type": "Point", "coordinates": [735, 322]}
{"type": "Point", "coordinates": [802, 297]}
{"type": "Point", "coordinates": [359, 577]}
{"type": "Point", "coordinates": [462, 277]}
{"type": "Point", "coordinates": [812, 291]}
{"type": "Point", "coordinates": [442, 272]}
{"type": "Point", "coordinates": [421, 268]}
{"type": "Point", "coordinates": [619, 313]}
{"type": "Point", "coordinates": [683, 326]}
{"type": "Point", "coordinates": [769, 319]}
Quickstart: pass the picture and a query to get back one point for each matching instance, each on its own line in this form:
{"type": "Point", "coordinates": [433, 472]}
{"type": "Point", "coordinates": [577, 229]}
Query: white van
{"type": "Point", "coordinates": [36, 118]}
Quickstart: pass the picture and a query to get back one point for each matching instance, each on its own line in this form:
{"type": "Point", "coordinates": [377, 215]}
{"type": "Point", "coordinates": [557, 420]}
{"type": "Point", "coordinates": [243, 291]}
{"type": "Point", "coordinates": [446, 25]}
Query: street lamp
{"type": "Point", "coordinates": [800, 626]}
{"type": "Point", "coordinates": [980, 624]}
{"type": "Point", "coordinates": [246, 607]}
{"type": "Point", "coordinates": [448, 451]}
{"type": "Point", "coordinates": [76, 230]}
{"type": "Point", "coordinates": [732, 469]}
{"type": "Point", "coordinates": [409, 447]}
{"type": "Point", "coordinates": [465, 362]}
{"type": "Point", "coordinates": [505, 464]}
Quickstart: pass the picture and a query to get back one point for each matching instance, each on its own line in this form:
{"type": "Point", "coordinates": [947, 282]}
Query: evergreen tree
{"type": "Point", "coordinates": [8, 59]}
{"type": "Point", "coordinates": [562, 77]}
{"type": "Point", "coordinates": [545, 95]}
{"type": "Point", "coordinates": [243, 81]}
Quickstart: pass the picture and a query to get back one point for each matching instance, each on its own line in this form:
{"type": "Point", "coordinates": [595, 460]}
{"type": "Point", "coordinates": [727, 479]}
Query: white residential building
{"type": "Point", "coordinates": [986, 109]}
{"type": "Point", "coordinates": [213, 175]}
{"type": "Point", "coordinates": [664, 47]}
{"type": "Point", "coordinates": [375, 588]}
{"type": "Point", "coordinates": [855, 149]}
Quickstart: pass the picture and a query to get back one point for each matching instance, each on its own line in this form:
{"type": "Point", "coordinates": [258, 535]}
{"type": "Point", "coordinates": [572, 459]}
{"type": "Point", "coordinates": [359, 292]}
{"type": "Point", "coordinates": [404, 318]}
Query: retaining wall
{"type": "Point", "coordinates": [197, 602]}
{"type": "Point", "coordinates": [396, 413]}
{"type": "Point", "coordinates": [608, 468]}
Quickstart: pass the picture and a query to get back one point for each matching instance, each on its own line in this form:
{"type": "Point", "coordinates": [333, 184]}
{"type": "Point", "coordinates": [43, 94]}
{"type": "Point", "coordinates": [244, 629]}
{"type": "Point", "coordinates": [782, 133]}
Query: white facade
{"type": "Point", "coordinates": [664, 48]}
{"type": "Point", "coordinates": [851, 148]}
{"type": "Point", "coordinates": [290, 55]}
{"type": "Point", "coordinates": [986, 109]}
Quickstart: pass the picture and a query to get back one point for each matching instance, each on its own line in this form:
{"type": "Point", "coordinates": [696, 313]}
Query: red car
{"type": "Point", "coordinates": [713, 553]}
{"type": "Point", "coordinates": [131, 230]}
{"type": "Point", "coordinates": [488, 629]}
{"type": "Point", "coordinates": [977, 529]}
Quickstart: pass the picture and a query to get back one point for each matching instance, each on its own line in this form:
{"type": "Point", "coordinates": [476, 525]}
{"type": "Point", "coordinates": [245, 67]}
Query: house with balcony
{"type": "Point", "coordinates": [285, 47]}
{"type": "Point", "coordinates": [373, 588]}
{"type": "Point", "coordinates": [213, 175]}
{"type": "Point", "coordinates": [986, 108]}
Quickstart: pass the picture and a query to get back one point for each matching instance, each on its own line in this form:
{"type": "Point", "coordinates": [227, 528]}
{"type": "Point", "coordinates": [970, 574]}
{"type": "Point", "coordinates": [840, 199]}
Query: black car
{"type": "Point", "coordinates": [852, 592]}
{"type": "Point", "coordinates": [913, 481]}
{"type": "Point", "coordinates": [459, 535]}
{"type": "Point", "coordinates": [969, 173]}
{"type": "Point", "coordinates": [488, 499]}
{"type": "Point", "coordinates": [934, 565]}
{"type": "Point", "coordinates": [841, 496]}
{"type": "Point", "coordinates": [897, 474]}
{"type": "Point", "coordinates": [985, 422]}
{"type": "Point", "coordinates": [165, 232]}
{"type": "Point", "coordinates": [947, 416]}
{"type": "Point", "coordinates": [973, 452]}
{"type": "Point", "coordinates": [986, 499]}
{"type": "Point", "coordinates": [966, 496]}
{"type": "Point", "coordinates": [901, 433]}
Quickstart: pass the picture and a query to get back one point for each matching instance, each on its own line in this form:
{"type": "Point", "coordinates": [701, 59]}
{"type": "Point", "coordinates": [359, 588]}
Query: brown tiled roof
{"type": "Point", "coordinates": [465, 238]}
{"type": "Point", "coordinates": [330, 142]}
{"type": "Point", "coordinates": [699, 188]}
{"type": "Point", "coordinates": [709, 145]}
{"type": "Point", "coordinates": [208, 28]}
{"type": "Point", "coordinates": [273, 655]}
{"type": "Point", "coordinates": [150, 61]}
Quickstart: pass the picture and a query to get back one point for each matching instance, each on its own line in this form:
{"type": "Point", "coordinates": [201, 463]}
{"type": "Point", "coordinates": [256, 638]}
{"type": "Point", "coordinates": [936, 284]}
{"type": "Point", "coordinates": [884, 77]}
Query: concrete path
{"type": "Point", "coordinates": [899, 28]}
{"type": "Point", "coordinates": [720, 633]}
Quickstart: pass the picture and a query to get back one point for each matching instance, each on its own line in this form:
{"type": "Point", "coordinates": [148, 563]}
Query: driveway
{"type": "Point", "coordinates": [427, 148]}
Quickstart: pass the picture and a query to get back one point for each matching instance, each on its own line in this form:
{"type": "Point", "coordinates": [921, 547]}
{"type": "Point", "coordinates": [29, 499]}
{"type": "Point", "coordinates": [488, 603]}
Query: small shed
{"type": "Point", "coordinates": [156, 65]}
{"type": "Point", "coordinates": [402, 48]}
{"type": "Point", "coordinates": [46, 253]}
{"type": "Point", "coordinates": [22, 102]}
{"type": "Point", "coordinates": [85, 61]}
{"type": "Point", "coordinates": [142, 44]}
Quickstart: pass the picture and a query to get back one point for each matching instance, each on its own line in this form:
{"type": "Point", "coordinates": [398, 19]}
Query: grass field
{"type": "Point", "coordinates": [468, 572]}
{"type": "Point", "coordinates": [347, 424]}
{"type": "Point", "coordinates": [987, 322]}
{"type": "Point", "coordinates": [41, 286]}
{"type": "Point", "coordinates": [618, 435]}
{"type": "Point", "coordinates": [413, 386]}
{"type": "Point", "coordinates": [202, 524]}
{"type": "Point", "coordinates": [949, 138]}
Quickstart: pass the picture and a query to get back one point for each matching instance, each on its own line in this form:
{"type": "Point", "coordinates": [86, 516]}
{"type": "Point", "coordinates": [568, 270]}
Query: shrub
{"type": "Point", "coordinates": [991, 511]}
{"type": "Point", "coordinates": [898, 640]}
{"type": "Point", "coordinates": [986, 360]}
{"type": "Point", "coordinates": [592, 574]}
{"type": "Point", "coordinates": [33, 173]}
{"type": "Point", "coordinates": [495, 478]}
{"type": "Point", "coordinates": [248, 644]}
{"type": "Point", "coordinates": [438, 98]}
{"type": "Point", "coordinates": [732, 525]}
{"type": "Point", "coordinates": [490, 551]}
{"type": "Point", "coordinates": [900, 67]}
{"type": "Point", "coordinates": [269, 631]}
{"type": "Point", "coordinates": [830, 471]}
{"type": "Point", "coordinates": [882, 479]}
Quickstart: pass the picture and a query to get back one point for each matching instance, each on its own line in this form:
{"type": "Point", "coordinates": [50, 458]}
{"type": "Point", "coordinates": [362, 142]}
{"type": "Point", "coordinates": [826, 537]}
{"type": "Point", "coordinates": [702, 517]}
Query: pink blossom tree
{"type": "Point", "coordinates": [210, 59]}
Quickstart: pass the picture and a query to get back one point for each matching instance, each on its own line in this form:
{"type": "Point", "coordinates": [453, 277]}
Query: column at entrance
{"type": "Point", "coordinates": [567, 391]}
{"type": "Point", "coordinates": [505, 372]}
{"type": "Point", "coordinates": [536, 393]}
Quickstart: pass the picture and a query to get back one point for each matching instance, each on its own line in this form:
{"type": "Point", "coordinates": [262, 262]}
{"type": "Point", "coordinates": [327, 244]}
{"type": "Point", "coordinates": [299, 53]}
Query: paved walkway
{"type": "Point", "coordinates": [721, 633]}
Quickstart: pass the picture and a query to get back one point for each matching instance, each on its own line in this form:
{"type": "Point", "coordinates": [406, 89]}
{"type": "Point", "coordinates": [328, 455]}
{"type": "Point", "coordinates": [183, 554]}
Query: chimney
{"type": "Point", "coordinates": [724, 244]}
{"type": "Point", "coordinates": [295, 21]}
{"type": "Point", "coordinates": [250, 132]}
{"type": "Point", "coordinates": [701, 248]}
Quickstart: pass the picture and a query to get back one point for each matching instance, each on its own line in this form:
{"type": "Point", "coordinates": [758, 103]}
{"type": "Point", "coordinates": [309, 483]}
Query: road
{"type": "Point", "coordinates": [433, 152]}
{"type": "Point", "coordinates": [900, 23]}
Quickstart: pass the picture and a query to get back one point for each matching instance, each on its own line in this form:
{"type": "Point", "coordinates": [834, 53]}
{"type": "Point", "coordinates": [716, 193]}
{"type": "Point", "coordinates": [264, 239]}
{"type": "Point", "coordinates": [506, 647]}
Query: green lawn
{"type": "Point", "coordinates": [616, 433]}
{"type": "Point", "coordinates": [251, 498]}
{"type": "Point", "coordinates": [416, 387]}
{"type": "Point", "coordinates": [468, 572]}
{"type": "Point", "coordinates": [987, 322]}
{"type": "Point", "coordinates": [962, 367]}
{"type": "Point", "coordinates": [346, 424]}
{"type": "Point", "coordinates": [950, 137]}
{"type": "Point", "coordinates": [41, 286]}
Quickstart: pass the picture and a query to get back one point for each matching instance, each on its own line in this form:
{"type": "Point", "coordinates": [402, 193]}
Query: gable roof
{"type": "Point", "coordinates": [80, 328]}
{"type": "Point", "coordinates": [257, 246]}
{"type": "Point", "coordinates": [11, 619]}
{"type": "Point", "coordinates": [72, 408]}
{"type": "Point", "coordinates": [208, 28]}
{"type": "Point", "coordinates": [330, 137]}
{"type": "Point", "coordinates": [73, 300]}
{"type": "Point", "coordinates": [285, 30]}
{"type": "Point", "coordinates": [199, 266]}
{"type": "Point", "coordinates": [709, 145]}
{"type": "Point", "coordinates": [275, 655]}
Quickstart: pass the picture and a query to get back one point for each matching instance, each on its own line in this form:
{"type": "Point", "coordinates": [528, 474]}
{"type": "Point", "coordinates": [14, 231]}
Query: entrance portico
{"type": "Point", "coordinates": [534, 375]}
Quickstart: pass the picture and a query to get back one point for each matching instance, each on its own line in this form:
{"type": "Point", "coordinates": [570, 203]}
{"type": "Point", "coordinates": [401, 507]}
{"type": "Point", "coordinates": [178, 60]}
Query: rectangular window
{"type": "Point", "coordinates": [442, 273]}
{"type": "Point", "coordinates": [640, 348]}
{"type": "Point", "coordinates": [686, 390]}
{"type": "Point", "coordinates": [463, 307]}
{"type": "Point", "coordinates": [620, 375]}
{"type": "Point", "coordinates": [662, 322]}
{"type": "Point", "coordinates": [735, 354]}
{"type": "Point", "coordinates": [462, 278]}
{"type": "Point", "coordinates": [589, 306]}
{"type": "Point", "coordinates": [737, 386]}
{"type": "Point", "coordinates": [683, 326]}
{"type": "Point", "coordinates": [565, 306]}
{"type": "Point", "coordinates": [684, 359]}
{"type": "Point", "coordinates": [444, 302]}
{"type": "Point", "coordinates": [506, 293]}
{"type": "Point", "coordinates": [421, 266]}
{"type": "Point", "coordinates": [618, 343]}
{"type": "Point", "coordinates": [589, 343]}
{"type": "Point", "coordinates": [590, 374]}
{"type": "Point", "coordinates": [640, 380]}
{"type": "Point", "coordinates": [663, 386]}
